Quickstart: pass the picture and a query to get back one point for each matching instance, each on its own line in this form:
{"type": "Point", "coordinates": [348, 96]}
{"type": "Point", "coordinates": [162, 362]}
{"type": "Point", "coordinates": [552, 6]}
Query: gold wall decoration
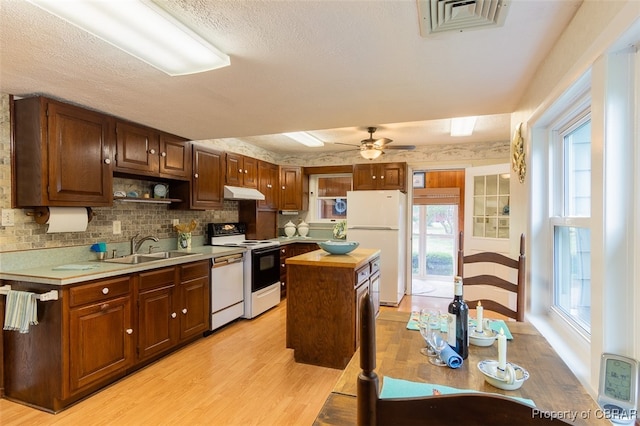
{"type": "Point", "coordinates": [517, 158]}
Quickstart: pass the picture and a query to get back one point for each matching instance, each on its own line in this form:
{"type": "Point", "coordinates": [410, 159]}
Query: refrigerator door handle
{"type": "Point", "coordinates": [384, 228]}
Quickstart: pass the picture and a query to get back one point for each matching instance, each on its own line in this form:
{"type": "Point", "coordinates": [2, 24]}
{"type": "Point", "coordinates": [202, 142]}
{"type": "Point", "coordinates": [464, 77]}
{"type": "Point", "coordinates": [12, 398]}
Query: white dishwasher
{"type": "Point", "coordinates": [227, 289]}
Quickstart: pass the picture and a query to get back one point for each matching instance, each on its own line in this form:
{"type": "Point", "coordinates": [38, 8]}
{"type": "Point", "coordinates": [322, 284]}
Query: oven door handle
{"type": "Point", "coordinates": [227, 260]}
{"type": "Point", "coordinates": [265, 250]}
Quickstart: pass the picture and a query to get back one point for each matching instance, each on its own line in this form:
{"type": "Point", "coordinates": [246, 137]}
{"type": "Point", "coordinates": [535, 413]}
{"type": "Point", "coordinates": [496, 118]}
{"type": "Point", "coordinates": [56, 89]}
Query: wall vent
{"type": "Point", "coordinates": [460, 15]}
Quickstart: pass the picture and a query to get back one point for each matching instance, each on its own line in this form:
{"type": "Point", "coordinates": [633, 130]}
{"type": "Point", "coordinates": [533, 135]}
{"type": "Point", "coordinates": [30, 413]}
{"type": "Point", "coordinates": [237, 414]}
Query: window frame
{"type": "Point", "coordinates": [313, 196]}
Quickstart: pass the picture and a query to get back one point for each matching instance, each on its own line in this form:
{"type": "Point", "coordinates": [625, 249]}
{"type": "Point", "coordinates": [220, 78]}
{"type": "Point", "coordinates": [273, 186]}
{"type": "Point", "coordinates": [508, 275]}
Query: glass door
{"type": "Point", "coordinates": [434, 251]}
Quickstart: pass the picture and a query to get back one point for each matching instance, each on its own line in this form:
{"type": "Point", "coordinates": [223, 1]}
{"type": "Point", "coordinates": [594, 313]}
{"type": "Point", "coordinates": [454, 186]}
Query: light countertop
{"type": "Point", "coordinates": [356, 258]}
{"type": "Point", "coordinates": [99, 269]}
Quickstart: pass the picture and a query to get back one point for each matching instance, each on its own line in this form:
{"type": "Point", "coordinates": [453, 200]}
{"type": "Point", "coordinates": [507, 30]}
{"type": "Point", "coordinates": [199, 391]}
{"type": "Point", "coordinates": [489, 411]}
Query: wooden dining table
{"type": "Point", "coordinates": [551, 385]}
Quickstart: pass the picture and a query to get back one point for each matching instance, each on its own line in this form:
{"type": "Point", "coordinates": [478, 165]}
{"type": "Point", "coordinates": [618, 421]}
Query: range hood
{"type": "Point", "coordinates": [238, 193]}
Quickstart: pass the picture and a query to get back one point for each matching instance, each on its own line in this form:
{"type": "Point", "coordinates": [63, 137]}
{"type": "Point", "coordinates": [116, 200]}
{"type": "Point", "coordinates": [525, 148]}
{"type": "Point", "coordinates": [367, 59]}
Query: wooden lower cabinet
{"type": "Point", "coordinates": [290, 250]}
{"type": "Point", "coordinates": [88, 337]}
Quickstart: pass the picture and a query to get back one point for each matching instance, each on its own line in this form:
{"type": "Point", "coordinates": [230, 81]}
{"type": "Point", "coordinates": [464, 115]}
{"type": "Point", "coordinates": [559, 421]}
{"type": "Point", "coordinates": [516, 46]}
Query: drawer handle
{"type": "Point", "coordinates": [173, 315]}
{"type": "Point", "coordinates": [129, 330]}
{"type": "Point", "coordinates": [184, 311]}
{"type": "Point", "coordinates": [105, 290]}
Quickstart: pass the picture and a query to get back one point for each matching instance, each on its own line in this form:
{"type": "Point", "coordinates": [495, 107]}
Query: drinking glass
{"type": "Point", "coordinates": [427, 319]}
{"type": "Point", "coordinates": [437, 341]}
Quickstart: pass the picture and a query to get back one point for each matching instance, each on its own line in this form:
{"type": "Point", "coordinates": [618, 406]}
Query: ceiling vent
{"type": "Point", "coordinates": [460, 15]}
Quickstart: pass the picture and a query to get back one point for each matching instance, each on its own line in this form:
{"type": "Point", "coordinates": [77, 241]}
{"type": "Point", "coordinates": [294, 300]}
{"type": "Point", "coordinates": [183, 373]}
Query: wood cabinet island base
{"type": "Point", "coordinates": [323, 297]}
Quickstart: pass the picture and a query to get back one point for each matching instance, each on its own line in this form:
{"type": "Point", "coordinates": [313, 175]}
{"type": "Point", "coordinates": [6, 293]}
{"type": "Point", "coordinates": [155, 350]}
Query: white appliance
{"type": "Point", "coordinates": [261, 266]}
{"type": "Point", "coordinates": [227, 289]}
{"type": "Point", "coordinates": [377, 220]}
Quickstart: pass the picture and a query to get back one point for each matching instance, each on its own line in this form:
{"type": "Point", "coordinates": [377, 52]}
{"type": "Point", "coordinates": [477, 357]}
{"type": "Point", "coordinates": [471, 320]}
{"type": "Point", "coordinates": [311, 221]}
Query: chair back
{"type": "Point", "coordinates": [517, 287]}
{"type": "Point", "coordinates": [465, 408]}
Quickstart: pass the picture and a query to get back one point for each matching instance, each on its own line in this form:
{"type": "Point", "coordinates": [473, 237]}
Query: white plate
{"type": "Point", "coordinates": [489, 368]}
{"type": "Point", "coordinates": [485, 339]}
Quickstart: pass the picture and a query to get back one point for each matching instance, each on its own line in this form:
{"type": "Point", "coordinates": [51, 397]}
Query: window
{"type": "Point", "coordinates": [491, 206]}
{"type": "Point", "coordinates": [571, 210]}
{"type": "Point", "coordinates": [329, 197]}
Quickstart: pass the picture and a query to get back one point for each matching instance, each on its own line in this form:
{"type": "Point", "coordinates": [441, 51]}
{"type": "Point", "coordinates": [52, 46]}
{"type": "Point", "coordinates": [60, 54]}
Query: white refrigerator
{"type": "Point", "coordinates": [377, 220]}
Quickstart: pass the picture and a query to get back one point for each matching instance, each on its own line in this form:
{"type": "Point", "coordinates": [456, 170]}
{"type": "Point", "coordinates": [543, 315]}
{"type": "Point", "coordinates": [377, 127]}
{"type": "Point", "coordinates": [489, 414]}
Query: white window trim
{"type": "Point", "coordinates": [313, 197]}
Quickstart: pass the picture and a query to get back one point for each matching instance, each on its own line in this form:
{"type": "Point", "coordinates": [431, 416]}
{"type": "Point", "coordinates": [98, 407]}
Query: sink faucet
{"type": "Point", "coordinates": [135, 243]}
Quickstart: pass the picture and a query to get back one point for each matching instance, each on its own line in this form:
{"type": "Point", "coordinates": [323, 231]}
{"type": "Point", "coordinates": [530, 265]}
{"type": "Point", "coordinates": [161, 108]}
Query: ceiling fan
{"type": "Point", "coordinates": [373, 148]}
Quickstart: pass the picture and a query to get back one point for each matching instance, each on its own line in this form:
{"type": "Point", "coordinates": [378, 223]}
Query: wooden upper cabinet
{"type": "Point", "coordinates": [241, 171]}
{"type": "Point", "coordinates": [268, 185]}
{"type": "Point", "coordinates": [294, 189]}
{"type": "Point", "coordinates": [380, 176]}
{"type": "Point", "coordinates": [63, 155]}
{"type": "Point", "coordinates": [144, 151]}
{"type": "Point", "coordinates": [207, 181]}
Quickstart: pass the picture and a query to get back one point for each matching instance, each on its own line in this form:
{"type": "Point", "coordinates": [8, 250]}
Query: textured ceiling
{"type": "Point", "coordinates": [295, 65]}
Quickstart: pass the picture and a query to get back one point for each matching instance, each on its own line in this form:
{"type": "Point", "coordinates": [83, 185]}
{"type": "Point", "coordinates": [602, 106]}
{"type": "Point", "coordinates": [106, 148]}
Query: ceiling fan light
{"type": "Point", "coordinates": [462, 126]}
{"type": "Point", "coordinates": [370, 153]}
{"type": "Point", "coordinates": [305, 138]}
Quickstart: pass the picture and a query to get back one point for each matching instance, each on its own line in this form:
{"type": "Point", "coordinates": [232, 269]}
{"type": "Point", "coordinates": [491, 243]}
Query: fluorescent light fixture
{"type": "Point", "coordinates": [142, 29]}
{"type": "Point", "coordinates": [305, 138]}
{"type": "Point", "coordinates": [370, 153]}
{"type": "Point", "coordinates": [462, 126]}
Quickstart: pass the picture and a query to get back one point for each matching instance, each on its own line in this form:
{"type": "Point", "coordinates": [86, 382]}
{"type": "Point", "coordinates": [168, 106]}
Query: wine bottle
{"type": "Point", "coordinates": [458, 333]}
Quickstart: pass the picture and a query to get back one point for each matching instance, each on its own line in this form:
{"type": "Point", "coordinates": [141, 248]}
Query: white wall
{"type": "Point", "coordinates": [595, 28]}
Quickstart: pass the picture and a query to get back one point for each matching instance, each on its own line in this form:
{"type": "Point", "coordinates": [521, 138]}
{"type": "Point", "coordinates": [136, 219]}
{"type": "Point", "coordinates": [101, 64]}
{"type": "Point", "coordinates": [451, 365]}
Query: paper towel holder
{"type": "Point", "coordinates": [41, 214]}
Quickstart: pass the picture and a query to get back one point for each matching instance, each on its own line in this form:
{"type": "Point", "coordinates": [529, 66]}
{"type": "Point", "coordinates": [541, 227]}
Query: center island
{"type": "Point", "coordinates": [323, 299]}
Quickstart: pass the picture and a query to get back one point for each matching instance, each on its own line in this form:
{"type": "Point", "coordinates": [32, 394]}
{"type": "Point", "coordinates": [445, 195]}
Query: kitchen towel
{"type": "Point", "coordinates": [67, 219]}
{"type": "Point", "coordinates": [21, 311]}
{"type": "Point", "coordinates": [398, 388]}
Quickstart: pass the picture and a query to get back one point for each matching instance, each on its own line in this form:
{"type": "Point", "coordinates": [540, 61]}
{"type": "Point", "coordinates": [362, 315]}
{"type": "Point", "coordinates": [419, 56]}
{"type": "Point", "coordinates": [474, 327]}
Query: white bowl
{"type": "Point", "coordinates": [489, 368]}
{"type": "Point", "coordinates": [485, 339]}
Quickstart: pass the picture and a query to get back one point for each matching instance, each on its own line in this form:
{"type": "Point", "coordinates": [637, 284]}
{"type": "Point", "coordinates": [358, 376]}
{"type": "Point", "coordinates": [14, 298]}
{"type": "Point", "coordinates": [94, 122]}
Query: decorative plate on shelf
{"type": "Point", "coordinates": [160, 191]}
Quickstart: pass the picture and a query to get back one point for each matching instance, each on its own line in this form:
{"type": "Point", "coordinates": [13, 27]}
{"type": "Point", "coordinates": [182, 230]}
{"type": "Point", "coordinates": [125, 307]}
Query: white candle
{"type": "Point", "coordinates": [479, 318]}
{"type": "Point", "coordinates": [502, 350]}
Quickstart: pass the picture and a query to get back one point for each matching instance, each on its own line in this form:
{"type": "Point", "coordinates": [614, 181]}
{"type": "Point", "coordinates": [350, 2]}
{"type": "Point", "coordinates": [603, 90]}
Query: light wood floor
{"type": "Point", "coordinates": [240, 375]}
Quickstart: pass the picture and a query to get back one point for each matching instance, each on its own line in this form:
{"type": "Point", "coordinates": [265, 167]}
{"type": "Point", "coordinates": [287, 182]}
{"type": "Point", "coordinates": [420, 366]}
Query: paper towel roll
{"type": "Point", "coordinates": [67, 219]}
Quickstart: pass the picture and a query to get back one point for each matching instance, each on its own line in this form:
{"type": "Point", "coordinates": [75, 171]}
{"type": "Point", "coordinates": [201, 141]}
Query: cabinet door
{"type": "Point", "coordinates": [250, 169]}
{"type": "Point", "coordinates": [207, 183]}
{"type": "Point", "coordinates": [194, 307]}
{"type": "Point", "coordinates": [364, 177]}
{"type": "Point", "coordinates": [157, 313]}
{"type": "Point", "coordinates": [268, 184]}
{"type": "Point", "coordinates": [100, 341]}
{"type": "Point", "coordinates": [392, 176]}
{"type": "Point", "coordinates": [136, 149]}
{"type": "Point", "coordinates": [234, 174]}
{"type": "Point", "coordinates": [291, 189]}
{"type": "Point", "coordinates": [175, 158]}
{"type": "Point", "coordinates": [79, 148]}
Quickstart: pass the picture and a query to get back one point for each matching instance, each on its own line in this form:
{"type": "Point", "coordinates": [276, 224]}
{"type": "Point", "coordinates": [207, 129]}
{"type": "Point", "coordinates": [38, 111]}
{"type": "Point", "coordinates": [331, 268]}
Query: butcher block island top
{"type": "Point", "coordinates": [323, 295]}
{"type": "Point", "coordinates": [356, 258]}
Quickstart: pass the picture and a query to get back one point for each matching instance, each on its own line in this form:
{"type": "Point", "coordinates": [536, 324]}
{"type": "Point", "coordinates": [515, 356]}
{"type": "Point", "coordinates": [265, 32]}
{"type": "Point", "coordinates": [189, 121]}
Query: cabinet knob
{"type": "Point", "coordinates": [196, 176]}
{"type": "Point", "coordinates": [173, 315]}
{"type": "Point", "coordinates": [152, 151]}
{"type": "Point", "coordinates": [239, 170]}
{"type": "Point", "coordinates": [163, 154]}
{"type": "Point", "coordinates": [184, 311]}
{"type": "Point", "coordinates": [129, 330]}
{"type": "Point", "coordinates": [107, 161]}
{"type": "Point", "coordinates": [246, 171]}
{"type": "Point", "coordinates": [381, 177]}
{"type": "Point", "coordinates": [105, 290]}
{"type": "Point", "coordinates": [104, 306]}
{"type": "Point", "coordinates": [282, 265]}
{"type": "Point", "coordinates": [373, 177]}
{"type": "Point", "coordinates": [283, 187]}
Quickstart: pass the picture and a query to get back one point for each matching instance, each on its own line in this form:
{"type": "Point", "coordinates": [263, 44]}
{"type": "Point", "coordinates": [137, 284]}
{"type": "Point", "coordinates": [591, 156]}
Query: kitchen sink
{"type": "Point", "coordinates": [134, 259]}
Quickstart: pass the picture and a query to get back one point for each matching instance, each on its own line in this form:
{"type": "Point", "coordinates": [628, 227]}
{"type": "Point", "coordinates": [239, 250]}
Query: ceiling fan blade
{"type": "Point", "coordinates": [346, 144]}
{"type": "Point", "coordinates": [406, 147]}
